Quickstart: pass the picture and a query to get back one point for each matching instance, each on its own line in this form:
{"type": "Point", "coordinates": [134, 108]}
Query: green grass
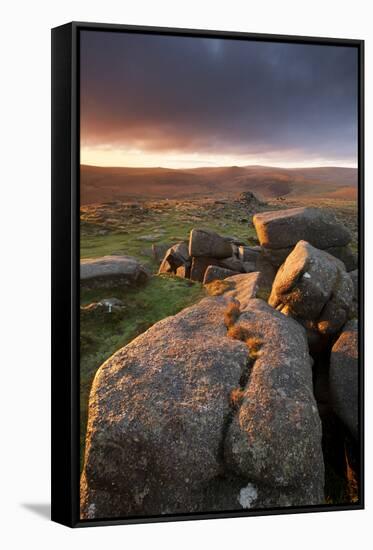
{"type": "Point", "coordinates": [172, 230]}
{"type": "Point", "coordinates": [103, 333]}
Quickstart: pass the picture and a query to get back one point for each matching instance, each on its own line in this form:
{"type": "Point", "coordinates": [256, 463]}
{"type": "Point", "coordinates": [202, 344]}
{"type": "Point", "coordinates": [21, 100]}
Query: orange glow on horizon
{"type": "Point", "coordinates": [111, 157]}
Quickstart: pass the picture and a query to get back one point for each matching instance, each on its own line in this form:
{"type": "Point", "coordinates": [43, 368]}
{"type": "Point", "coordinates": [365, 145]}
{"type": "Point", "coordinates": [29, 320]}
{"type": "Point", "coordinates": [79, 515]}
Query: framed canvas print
{"type": "Point", "coordinates": [207, 277]}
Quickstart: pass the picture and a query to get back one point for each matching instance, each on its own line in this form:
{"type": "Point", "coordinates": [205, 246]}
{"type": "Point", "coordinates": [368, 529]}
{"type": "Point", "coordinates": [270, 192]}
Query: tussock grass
{"type": "Point", "coordinates": [231, 314]}
{"type": "Point", "coordinates": [236, 397]}
{"type": "Point", "coordinates": [217, 288]}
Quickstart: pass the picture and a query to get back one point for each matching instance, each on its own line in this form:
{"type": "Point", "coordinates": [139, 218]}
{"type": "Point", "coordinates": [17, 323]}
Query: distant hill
{"type": "Point", "coordinates": [101, 184]}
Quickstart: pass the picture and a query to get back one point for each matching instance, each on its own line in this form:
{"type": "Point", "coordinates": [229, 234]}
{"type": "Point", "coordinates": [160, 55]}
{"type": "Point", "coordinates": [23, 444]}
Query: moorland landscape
{"type": "Point", "coordinates": [219, 282]}
{"type": "Point", "coordinates": [116, 309]}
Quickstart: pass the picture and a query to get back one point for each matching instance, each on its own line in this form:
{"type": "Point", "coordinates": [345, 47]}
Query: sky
{"type": "Point", "coordinates": [185, 102]}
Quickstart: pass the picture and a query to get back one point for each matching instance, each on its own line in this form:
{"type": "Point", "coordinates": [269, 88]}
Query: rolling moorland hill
{"type": "Point", "coordinates": [105, 184]}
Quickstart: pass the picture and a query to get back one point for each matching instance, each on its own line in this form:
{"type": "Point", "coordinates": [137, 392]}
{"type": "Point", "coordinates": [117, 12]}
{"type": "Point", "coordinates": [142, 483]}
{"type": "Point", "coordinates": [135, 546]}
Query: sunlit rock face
{"type": "Point", "coordinates": [280, 230]}
{"type": "Point", "coordinates": [165, 434]}
{"type": "Point", "coordinates": [274, 439]}
{"type": "Point", "coordinates": [313, 287]}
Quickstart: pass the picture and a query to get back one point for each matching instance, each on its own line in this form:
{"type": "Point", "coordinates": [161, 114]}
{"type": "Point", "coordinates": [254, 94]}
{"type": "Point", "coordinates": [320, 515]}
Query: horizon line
{"type": "Point", "coordinates": [306, 167]}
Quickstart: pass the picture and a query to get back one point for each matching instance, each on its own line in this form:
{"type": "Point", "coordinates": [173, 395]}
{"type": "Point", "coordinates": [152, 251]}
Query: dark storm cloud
{"type": "Point", "coordinates": [161, 93]}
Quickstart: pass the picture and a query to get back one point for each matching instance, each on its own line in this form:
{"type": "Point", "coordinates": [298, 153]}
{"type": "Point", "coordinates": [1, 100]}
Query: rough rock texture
{"type": "Point", "coordinates": [248, 253]}
{"type": "Point", "coordinates": [284, 228]}
{"type": "Point", "coordinates": [203, 242]}
{"type": "Point", "coordinates": [279, 231]}
{"type": "Point", "coordinates": [183, 271]}
{"type": "Point", "coordinates": [243, 287]}
{"type": "Point", "coordinates": [199, 266]}
{"type": "Point", "coordinates": [346, 255]}
{"type": "Point", "coordinates": [344, 377]}
{"type": "Point", "coordinates": [267, 274]}
{"type": "Point", "coordinates": [110, 270]}
{"type": "Point", "coordinates": [249, 267]}
{"type": "Point", "coordinates": [232, 263]}
{"type": "Point", "coordinates": [313, 286]}
{"type": "Point", "coordinates": [274, 440]}
{"type": "Point", "coordinates": [214, 273]}
{"type": "Point", "coordinates": [157, 413]}
{"type": "Point", "coordinates": [176, 256]}
{"type": "Point", "coordinates": [250, 200]}
{"type": "Point", "coordinates": [163, 436]}
{"type": "Point", "coordinates": [276, 256]}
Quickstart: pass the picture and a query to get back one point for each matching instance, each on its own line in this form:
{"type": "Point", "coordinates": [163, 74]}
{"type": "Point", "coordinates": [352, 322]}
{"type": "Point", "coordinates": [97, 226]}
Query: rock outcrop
{"type": "Point", "coordinates": [274, 440]}
{"type": "Point", "coordinates": [344, 377]}
{"type": "Point", "coordinates": [163, 431]}
{"type": "Point", "coordinates": [112, 270]}
{"type": "Point", "coordinates": [210, 255]}
{"type": "Point", "coordinates": [176, 256]}
{"type": "Point", "coordinates": [279, 231]}
{"type": "Point", "coordinates": [203, 242]}
{"type": "Point", "coordinates": [313, 287]}
{"type": "Point", "coordinates": [157, 413]}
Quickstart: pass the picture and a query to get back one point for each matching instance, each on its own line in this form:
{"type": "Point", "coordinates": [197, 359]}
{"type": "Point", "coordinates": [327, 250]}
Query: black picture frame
{"type": "Point", "coordinates": [65, 268]}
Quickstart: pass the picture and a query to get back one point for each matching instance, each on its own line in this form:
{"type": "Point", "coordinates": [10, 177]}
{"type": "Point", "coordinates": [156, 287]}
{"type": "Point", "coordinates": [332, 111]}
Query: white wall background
{"type": "Point", "coordinates": [25, 270]}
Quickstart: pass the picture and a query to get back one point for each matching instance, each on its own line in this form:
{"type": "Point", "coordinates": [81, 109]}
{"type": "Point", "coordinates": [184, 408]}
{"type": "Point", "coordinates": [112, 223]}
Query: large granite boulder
{"type": "Point", "coordinates": [284, 228]}
{"type": "Point", "coordinates": [203, 242]}
{"type": "Point", "coordinates": [280, 230]}
{"type": "Point", "coordinates": [157, 413]}
{"type": "Point", "coordinates": [164, 430]}
{"type": "Point", "coordinates": [344, 377]}
{"type": "Point", "coordinates": [274, 439]}
{"type": "Point", "coordinates": [313, 286]}
{"type": "Point", "coordinates": [108, 271]}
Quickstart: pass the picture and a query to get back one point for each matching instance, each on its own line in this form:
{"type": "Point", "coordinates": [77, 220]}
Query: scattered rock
{"type": "Point", "coordinates": [112, 270]}
{"type": "Point", "coordinates": [344, 377]}
{"type": "Point", "coordinates": [203, 242]}
{"type": "Point", "coordinates": [151, 238]}
{"type": "Point", "coordinates": [250, 200]}
{"type": "Point", "coordinates": [112, 304]}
